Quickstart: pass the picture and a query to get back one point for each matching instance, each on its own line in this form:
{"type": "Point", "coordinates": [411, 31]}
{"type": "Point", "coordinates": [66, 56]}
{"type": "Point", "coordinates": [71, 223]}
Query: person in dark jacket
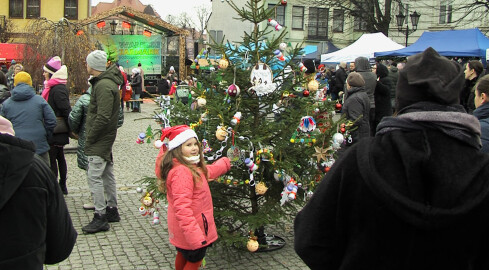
{"type": "Point", "coordinates": [31, 115]}
{"type": "Point", "coordinates": [473, 70]}
{"type": "Point", "coordinates": [57, 95]}
{"type": "Point", "coordinates": [4, 92]}
{"type": "Point", "coordinates": [357, 107]}
{"type": "Point", "coordinates": [404, 199]}
{"type": "Point", "coordinates": [137, 88]}
{"type": "Point", "coordinates": [481, 102]}
{"type": "Point", "coordinates": [163, 86]}
{"type": "Point", "coordinates": [35, 225]}
{"type": "Point", "coordinates": [382, 94]}
{"type": "Point", "coordinates": [101, 130]}
{"type": "Point", "coordinates": [363, 67]}
{"type": "Point", "coordinates": [340, 79]}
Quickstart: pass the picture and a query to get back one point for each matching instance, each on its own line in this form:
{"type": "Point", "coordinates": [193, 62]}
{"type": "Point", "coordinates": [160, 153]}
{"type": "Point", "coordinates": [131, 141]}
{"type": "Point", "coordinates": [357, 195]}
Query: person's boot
{"type": "Point", "coordinates": [112, 214]}
{"type": "Point", "coordinates": [62, 185]}
{"type": "Point", "coordinates": [99, 223]}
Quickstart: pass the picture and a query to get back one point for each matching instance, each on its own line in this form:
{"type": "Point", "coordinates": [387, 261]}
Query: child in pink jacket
{"type": "Point", "coordinates": [183, 175]}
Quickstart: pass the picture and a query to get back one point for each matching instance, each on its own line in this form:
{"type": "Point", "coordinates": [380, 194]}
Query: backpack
{"type": "Point", "coordinates": [182, 94]}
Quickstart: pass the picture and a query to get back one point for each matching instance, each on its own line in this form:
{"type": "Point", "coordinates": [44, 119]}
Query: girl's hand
{"type": "Point", "coordinates": [159, 183]}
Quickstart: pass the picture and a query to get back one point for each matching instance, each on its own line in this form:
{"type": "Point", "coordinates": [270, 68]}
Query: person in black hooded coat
{"type": "Point", "coordinates": [35, 225]}
{"type": "Point", "coordinates": [382, 94]}
{"type": "Point", "coordinates": [404, 199]}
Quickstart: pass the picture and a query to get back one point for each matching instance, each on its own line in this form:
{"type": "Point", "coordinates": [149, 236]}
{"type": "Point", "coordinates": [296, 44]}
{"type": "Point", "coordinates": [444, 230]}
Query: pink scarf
{"type": "Point", "coordinates": [49, 84]}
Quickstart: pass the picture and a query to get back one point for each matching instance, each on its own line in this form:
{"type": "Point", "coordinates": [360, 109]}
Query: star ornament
{"type": "Point", "coordinates": [321, 153]}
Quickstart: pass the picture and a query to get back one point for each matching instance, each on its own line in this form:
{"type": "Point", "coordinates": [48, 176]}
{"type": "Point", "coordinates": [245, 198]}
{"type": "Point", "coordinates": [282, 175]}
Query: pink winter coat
{"type": "Point", "coordinates": [190, 211]}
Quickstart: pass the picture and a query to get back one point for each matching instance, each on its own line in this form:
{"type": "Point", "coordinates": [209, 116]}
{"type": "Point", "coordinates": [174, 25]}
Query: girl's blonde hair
{"type": "Point", "coordinates": [167, 164]}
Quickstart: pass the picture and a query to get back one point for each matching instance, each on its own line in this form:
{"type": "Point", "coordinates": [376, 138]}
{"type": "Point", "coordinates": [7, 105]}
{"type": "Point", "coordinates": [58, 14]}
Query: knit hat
{"type": "Point", "coordinates": [97, 60]}
{"type": "Point", "coordinates": [53, 65]}
{"type": "Point", "coordinates": [6, 127]}
{"type": "Point", "coordinates": [135, 71]}
{"type": "Point", "coordinates": [172, 68]}
{"type": "Point", "coordinates": [428, 76]}
{"type": "Point", "coordinates": [13, 62]}
{"type": "Point", "coordinates": [177, 135]}
{"type": "Point", "coordinates": [22, 77]}
{"type": "Point", "coordinates": [354, 79]}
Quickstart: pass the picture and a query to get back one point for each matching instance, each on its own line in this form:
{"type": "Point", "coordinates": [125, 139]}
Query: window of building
{"type": "Point", "coordinates": [216, 35]}
{"type": "Point", "coordinates": [317, 27]}
{"type": "Point", "coordinates": [16, 9]}
{"type": "Point", "coordinates": [279, 13]}
{"type": "Point", "coordinates": [359, 24]}
{"type": "Point", "coordinates": [445, 12]}
{"type": "Point", "coordinates": [71, 9]}
{"type": "Point", "coordinates": [33, 9]}
{"type": "Point", "coordinates": [297, 17]}
{"type": "Point", "coordinates": [338, 20]}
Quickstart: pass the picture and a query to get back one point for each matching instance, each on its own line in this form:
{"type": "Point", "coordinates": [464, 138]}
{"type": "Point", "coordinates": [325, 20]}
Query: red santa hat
{"type": "Point", "coordinates": [177, 135]}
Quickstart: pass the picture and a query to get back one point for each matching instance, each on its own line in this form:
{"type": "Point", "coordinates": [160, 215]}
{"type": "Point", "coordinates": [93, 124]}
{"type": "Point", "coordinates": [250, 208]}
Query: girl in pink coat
{"type": "Point", "coordinates": [183, 175]}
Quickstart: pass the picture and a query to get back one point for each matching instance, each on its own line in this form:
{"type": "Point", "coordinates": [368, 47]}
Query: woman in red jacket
{"type": "Point", "coordinates": [183, 175]}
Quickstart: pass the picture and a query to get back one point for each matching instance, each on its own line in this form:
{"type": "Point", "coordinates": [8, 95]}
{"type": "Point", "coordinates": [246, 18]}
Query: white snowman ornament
{"type": "Point", "coordinates": [262, 79]}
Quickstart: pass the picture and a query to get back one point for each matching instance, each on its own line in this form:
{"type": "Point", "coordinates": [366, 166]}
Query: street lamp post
{"type": "Point", "coordinates": [414, 20]}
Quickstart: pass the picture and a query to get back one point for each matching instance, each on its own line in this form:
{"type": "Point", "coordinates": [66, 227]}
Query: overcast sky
{"type": "Point", "coordinates": [173, 7]}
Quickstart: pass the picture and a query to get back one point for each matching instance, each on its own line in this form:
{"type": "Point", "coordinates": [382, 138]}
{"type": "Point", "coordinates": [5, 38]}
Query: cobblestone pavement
{"type": "Point", "coordinates": [134, 242]}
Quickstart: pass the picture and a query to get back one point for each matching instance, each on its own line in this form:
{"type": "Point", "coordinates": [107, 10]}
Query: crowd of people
{"type": "Point", "coordinates": [399, 196]}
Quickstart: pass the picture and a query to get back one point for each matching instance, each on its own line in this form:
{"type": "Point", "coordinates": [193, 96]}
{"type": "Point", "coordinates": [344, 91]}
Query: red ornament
{"type": "Point", "coordinates": [283, 2]}
{"type": "Point", "coordinates": [343, 130]}
{"type": "Point", "coordinates": [338, 106]}
{"type": "Point", "coordinates": [327, 169]}
{"type": "Point", "coordinates": [342, 125]}
{"type": "Point", "coordinates": [305, 93]}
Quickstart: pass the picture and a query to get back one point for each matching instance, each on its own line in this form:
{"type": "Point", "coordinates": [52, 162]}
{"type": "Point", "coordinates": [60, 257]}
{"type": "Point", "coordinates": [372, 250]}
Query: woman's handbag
{"type": "Point", "coordinates": [61, 125]}
{"type": "Point", "coordinates": [128, 93]}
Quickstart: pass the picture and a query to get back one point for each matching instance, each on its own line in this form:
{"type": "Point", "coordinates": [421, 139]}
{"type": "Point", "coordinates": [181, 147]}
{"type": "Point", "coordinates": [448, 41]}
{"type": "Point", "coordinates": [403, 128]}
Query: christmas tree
{"type": "Point", "coordinates": [262, 108]}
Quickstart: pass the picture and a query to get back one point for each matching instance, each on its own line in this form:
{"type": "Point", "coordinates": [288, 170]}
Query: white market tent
{"type": "Point", "coordinates": [366, 46]}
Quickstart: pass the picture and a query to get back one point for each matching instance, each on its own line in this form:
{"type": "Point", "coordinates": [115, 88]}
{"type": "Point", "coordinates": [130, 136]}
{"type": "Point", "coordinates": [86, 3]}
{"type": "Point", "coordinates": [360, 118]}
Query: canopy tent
{"type": "Point", "coordinates": [460, 43]}
{"type": "Point", "coordinates": [365, 46]}
{"type": "Point", "coordinates": [11, 51]}
{"type": "Point", "coordinates": [311, 51]}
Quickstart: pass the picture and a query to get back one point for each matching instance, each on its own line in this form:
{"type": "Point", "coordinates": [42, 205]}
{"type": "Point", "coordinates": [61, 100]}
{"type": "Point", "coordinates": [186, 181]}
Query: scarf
{"type": "Point", "coordinates": [451, 120]}
{"type": "Point", "coordinates": [48, 84]}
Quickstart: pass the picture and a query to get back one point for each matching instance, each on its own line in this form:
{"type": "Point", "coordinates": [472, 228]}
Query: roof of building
{"type": "Point", "coordinates": [135, 4]}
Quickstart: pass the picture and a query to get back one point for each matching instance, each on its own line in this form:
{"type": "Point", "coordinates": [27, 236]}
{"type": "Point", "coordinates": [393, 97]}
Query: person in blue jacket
{"type": "Point", "coordinates": [32, 117]}
{"type": "Point", "coordinates": [481, 101]}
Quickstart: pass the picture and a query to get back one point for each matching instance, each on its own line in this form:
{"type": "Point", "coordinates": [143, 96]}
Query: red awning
{"type": "Point", "coordinates": [11, 51]}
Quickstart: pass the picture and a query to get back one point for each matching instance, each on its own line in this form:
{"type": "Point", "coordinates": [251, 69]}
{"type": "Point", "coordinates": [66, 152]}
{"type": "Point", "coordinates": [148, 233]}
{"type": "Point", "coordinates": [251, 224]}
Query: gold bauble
{"type": "Point", "coordinates": [223, 63]}
{"type": "Point", "coordinates": [221, 134]}
{"type": "Point", "coordinates": [313, 85]}
{"type": "Point", "coordinates": [252, 245]}
{"type": "Point", "coordinates": [261, 188]}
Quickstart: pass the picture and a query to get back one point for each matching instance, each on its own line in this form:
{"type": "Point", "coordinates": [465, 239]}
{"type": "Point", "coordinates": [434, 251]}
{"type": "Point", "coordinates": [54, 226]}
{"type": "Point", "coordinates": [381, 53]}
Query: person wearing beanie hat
{"type": "Point", "coordinates": [23, 77]}
{"type": "Point", "coordinates": [57, 95]}
{"type": "Point", "coordinates": [183, 175]}
{"type": "Point", "coordinates": [356, 107]}
{"type": "Point", "coordinates": [35, 224]}
{"type": "Point", "coordinates": [101, 130]}
{"type": "Point", "coordinates": [31, 116]}
{"type": "Point", "coordinates": [416, 193]}
{"type": "Point", "coordinates": [137, 89]}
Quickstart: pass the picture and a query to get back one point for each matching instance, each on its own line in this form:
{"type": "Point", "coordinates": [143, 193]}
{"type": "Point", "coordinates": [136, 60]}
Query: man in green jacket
{"type": "Point", "coordinates": [101, 130]}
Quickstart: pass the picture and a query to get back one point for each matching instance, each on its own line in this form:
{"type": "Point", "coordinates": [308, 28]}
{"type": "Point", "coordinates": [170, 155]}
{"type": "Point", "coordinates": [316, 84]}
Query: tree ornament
{"type": "Point", "coordinates": [251, 165]}
{"type": "Point", "coordinates": [221, 133]}
{"type": "Point", "coordinates": [302, 67]}
{"type": "Point", "coordinates": [283, 2]}
{"type": "Point", "coordinates": [233, 90]}
{"type": "Point", "coordinates": [307, 124]}
{"type": "Point", "coordinates": [305, 93]}
{"type": "Point", "coordinates": [223, 63]}
{"type": "Point", "coordinates": [235, 155]}
{"type": "Point", "coordinates": [260, 188]}
{"type": "Point", "coordinates": [205, 146]}
{"type": "Point", "coordinates": [282, 46]}
{"type": "Point", "coordinates": [261, 78]}
{"type": "Point", "coordinates": [338, 138]}
{"type": "Point", "coordinates": [139, 190]}
{"type": "Point", "coordinates": [279, 55]}
{"type": "Point", "coordinates": [313, 85]}
{"type": "Point", "coordinates": [321, 153]}
{"type": "Point", "coordinates": [342, 130]}
{"type": "Point", "coordinates": [338, 106]}
{"type": "Point", "coordinates": [236, 118]}
{"type": "Point", "coordinates": [275, 24]}
{"type": "Point", "coordinates": [141, 137]}
{"type": "Point", "coordinates": [201, 102]}
{"type": "Point", "coordinates": [309, 194]}
{"type": "Point", "coordinates": [156, 218]}
{"type": "Point", "coordinates": [252, 245]}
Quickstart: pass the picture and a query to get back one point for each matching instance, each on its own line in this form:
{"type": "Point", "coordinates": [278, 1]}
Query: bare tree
{"type": "Point", "coordinates": [6, 29]}
{"type": "Point", "coordinates": [47, 39]}
{"type": "Point", "coordinates": [371, 15]}
{"type": "Point", "coordinates": [203, 14]}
